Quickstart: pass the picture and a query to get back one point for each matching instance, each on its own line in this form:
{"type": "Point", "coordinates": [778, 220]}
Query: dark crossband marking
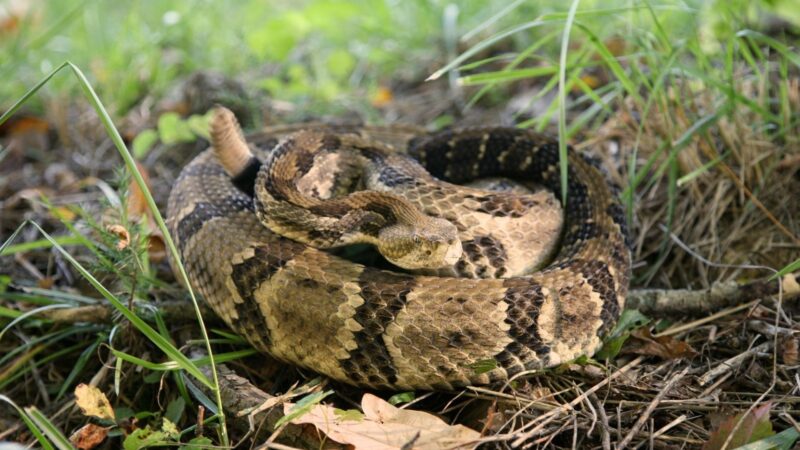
{"type": "Point", "coordinates": [599, 277]}
{"type": "Point", "coordinates": [247, 276]}
{"type": "Point", "coordinates": [385, 295]}
{"type": "Point", "coordinates": [524, 303]}
{"type": "Point", "coordinates": [245, 180]}
{"type": "Point", "coordinates": [203, 212]}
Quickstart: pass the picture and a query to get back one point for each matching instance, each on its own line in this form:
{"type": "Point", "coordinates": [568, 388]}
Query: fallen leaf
{"type": "Point", "coordinates": [755, 426]}
{"type": "Point", "coordinates": [385, 427]}
{"type": "Point", "coordinates": [666, 347]}
{"type": "Point", "coordinates": [88, 436]}
{"type": "Point", "coordinates": [122, 234]}
{"type": "Point", "coordinates": [93, 402]}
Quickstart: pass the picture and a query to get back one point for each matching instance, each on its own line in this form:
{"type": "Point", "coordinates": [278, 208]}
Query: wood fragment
{"type": "Point", "coordinates": [698, 302]}
{"type": "Point", "coordinates": [240, 396]}
{"type": "Point", "coordinates": [733, 363]}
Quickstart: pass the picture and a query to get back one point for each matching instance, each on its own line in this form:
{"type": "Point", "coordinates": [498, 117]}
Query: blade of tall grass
{"type": "Point", "coordinates": [491, 20]}
{"type": "Point", "coordinates": [39, 245]}
{"type": "Point", "coordinates": [41, 362]}
{"type": "Point", "coordinates": [522, 56]}
{"type": "Point", "coordinates": [28, 314]}
{"type": "Point", "coordinates": [137, 176]}
{"type": "Point", "coordinates": [507, 75]}
{"type": "Point", "coordinates": [80, 364]}
{"type": "Point", "coordinates": [37, 433]}
{"type": "Point", "coordinates": [541, 20]}
{"type": "Point", "coordinates": [163, 344]}
{"type": "Point", "coordinates": [611, 62]}
{"type": "Point", "coordinates": [792, 267]}
{"type": "Point", "coordinates": [562, 101]}
{"type": "Point", "coordinates": [779, 46]}
{"type": "Point", "coordinates": [48, 339]}
{"type": "Point", "coordinates": [50, 430]}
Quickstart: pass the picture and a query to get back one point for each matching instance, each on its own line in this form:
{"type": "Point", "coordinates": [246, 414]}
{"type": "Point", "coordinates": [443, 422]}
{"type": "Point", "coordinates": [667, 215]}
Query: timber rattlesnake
{"type": "Point", "coordinates": [390, 329]}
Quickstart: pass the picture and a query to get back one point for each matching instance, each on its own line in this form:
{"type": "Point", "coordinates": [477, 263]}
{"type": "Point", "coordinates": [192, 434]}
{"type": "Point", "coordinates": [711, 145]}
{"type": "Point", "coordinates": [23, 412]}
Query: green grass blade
{"type": "Point", "coordinates": [40, 244]}
{"type": "Point", "coordinates": [162, 226]}
{"type": "Point", "coordinates": [491, 20]}
{"type": "Point", "coordinates": [30, 313]}
{"type": "Point", "coordinates": [611, 62]}
{"type": "Point", "coordinates": [37, 433]}
{"type": "Point", "coordinates": [506, 75]}
{"type": "Point", "coordinates": [562, 101]}
{"type": "Point", "coordinates": [160, 342]}
{"type": "Point", "coordinates": [113, 133]}
{"type": "Point", "coordinates": [50, 430]}
{"type": "Point", "coordinates": [792, 267]}
{"type": "Point", "coordinates": [701, 170]}
{"type": "Point", "coordinates": [80, 363]}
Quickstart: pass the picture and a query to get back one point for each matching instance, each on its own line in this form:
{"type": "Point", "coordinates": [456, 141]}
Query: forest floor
{"type": "Point", "coordinates": [705, 356]}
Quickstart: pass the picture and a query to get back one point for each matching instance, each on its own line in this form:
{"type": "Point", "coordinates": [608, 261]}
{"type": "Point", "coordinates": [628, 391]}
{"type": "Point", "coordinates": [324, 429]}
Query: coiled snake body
{"type": "Point", "coordinates": [391, 329]}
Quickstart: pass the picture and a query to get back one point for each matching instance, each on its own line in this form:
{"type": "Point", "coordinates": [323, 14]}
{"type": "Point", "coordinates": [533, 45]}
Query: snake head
{"type": "Point", "coordinates": [430, 243]}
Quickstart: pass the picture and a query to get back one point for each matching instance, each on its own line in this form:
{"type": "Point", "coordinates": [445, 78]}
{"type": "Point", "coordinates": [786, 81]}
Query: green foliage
{"type": "Point", "coordinates": [630, 320]}
{"type": "Point", "coordinates": [402, 397]}
{"type": "Point", "coordinates": [303, 406]}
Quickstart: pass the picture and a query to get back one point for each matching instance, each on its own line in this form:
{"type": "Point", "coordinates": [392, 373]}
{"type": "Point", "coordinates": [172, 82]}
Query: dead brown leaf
{"type": "Point", "coordinates": [88, 436]}
{"type": "Point", "coordinates": [93, 402]}
{"type": "Point", "coordinates": [753, 427]}
{"type": "Point", "coordinates": [642, 342]}
{"type": "Point", "coordinates": [386, 427]}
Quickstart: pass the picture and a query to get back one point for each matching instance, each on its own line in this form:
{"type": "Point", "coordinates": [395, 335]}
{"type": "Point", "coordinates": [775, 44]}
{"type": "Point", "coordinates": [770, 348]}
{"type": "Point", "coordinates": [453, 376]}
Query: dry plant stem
{"type": "Point", "coordinates": [276, 446]}
{"type": "Point", "coordinates": [696, 323]}
{"type": "Point", "coordinates": [650, 408]}
{"type": "Point", "coordinates": [546, 418]}
{"type": "Point", "coordinates": [698, 302]}
{"type": "Point", "coordinates": [174, 311]}
{"type": "Point", "coordinates": [733, 363]}
{"type": "Point", "coordinates": [239, 395]}
{"type": "Point", "coordinates": [601, 411]}
{"type": "Point", "coordinates": [677, 421]}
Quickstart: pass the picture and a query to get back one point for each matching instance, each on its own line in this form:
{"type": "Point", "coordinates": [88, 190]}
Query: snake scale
{"type": "Point", "coordinates": [392, 329]}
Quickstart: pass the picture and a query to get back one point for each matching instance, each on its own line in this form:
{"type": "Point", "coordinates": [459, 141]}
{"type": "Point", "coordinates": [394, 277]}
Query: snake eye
{"type": "Point", "coordinates": [417, 239]}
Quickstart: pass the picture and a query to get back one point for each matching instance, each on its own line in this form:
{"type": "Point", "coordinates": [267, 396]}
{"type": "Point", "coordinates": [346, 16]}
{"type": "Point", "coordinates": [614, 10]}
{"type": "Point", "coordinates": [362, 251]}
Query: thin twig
{"type": "Point", "coordinates": [605, 436]}
{"type": "Point", "coordinates": [552, 415]}
{"type": "Point", "coordinates": [732, 363]}
{"type": "Point", "coordinates": [650, 408]}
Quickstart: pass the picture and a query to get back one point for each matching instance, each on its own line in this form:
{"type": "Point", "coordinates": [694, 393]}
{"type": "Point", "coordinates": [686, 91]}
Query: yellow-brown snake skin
{"type": "Point", "coordinates": [395, 330]}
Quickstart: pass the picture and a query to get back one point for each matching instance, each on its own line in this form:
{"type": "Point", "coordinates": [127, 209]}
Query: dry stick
{"type": "Point", "coordinates": [171, 310]}
{"type": "Point", "coordinates": [238, 394]}
{"type": "Point", "coordinates": [679, 420]}
{"type": "Point", "coordinates": [548, 417]}
{"type": "Point", "coordinates": [696, 323]}
{"type": "Point", "coordinates": [695, 302]}
{"type": "Point", "coordinates": [650, 408]}
{"type": "Point", "coordinates": [732, 363]}
{"type": "Point", "coordinates": [601, 411]}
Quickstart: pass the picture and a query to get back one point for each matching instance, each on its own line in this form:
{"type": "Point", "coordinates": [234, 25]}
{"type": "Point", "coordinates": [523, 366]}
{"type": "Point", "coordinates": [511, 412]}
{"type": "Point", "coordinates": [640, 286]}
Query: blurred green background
{"type": "Point", "coordinates": [321, 50]}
